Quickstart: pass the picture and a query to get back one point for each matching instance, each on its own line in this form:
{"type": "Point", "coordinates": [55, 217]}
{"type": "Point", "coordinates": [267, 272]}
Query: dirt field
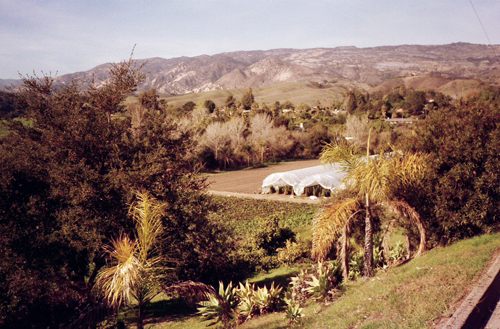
{"type": "Point", "coordinates": [247, 183]}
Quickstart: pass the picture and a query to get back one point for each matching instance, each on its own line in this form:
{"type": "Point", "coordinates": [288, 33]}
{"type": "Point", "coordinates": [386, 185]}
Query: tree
{"type": "Point", "coordinates": [415, 102]}
{"type": "Point", "coordinates": [230, 102]}
{"type": "Point", "coordinates": [188, 106]}
{"type": "Point", "coordinates": [66, 178]}
{"type": "Point", "coordinates": [265, 137]}
{"type": "Point", "coordinates": [134, 275]}
{"type": "Point", "coordinates": [356, 128]}
{"type": "Point", "coordinates": [461, 195]}
{"type": "Point", "coordinates": [216, 139]}
{"type": "Point", "coordinates": [374, 181]}
{"type": "Point", "coordinates": [149, 100]}
{"type": "Point", "coordinates": [59, 195]}
{"type": "Point", "coordinates": [210, 105]}
{"type": "Point", "coordinates": [247, 99]}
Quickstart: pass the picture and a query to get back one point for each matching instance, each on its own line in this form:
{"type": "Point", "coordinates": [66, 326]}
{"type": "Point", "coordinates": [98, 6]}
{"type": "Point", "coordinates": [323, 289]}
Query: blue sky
{"type": "Point", "coordinates": [76, 35]}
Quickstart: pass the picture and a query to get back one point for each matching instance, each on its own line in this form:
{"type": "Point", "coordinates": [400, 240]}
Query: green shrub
{"type": "Point", "coordinates": [293, 311]}
{"type": "Point", "coordinates": [292, 252]}
{"type": "Point", "coordinates": [267, 300]}
{"type": "Point", "coordinates": [356, 260]}
{"type": "Point", "coordinates": [323, 281]}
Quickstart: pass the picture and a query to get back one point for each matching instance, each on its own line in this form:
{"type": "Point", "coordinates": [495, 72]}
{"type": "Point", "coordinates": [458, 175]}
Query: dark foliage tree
{"type": "Point", "coordinates": [247, 99]}
{"type": "Point", "coordinates": [8, 108]}
{"type": "Point", "coordinates": [210, 105]}
{"type": "Point", "coordinates": [188, 106]}
{"type": "Point", "coordinates": [460, 198]}
{"type": "Point", "coordinates": [415, 102]}
{"type": "Point", "coordinates": [58, 199]}
{"type": "Point", "coordinates": [230, 102]}
{"type": "Point", "coordinates": [149, 99]}
{"type": "Point", "coordinates": [66, 179]}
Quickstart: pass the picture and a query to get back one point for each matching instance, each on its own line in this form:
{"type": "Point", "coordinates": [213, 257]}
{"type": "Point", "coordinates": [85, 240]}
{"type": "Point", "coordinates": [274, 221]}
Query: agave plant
{"type": "Point", "coordinates": [323, 281]}
{"type": "Point", "coordinates": [293, 311]}
{"type": "Point", "coordinates": [398, 252]}
{"type": "Point", "coordinates": [356, 264]}
{"type": "Point", "coordinates": [246, 306]}
{"type": "Point", "coordinates": [220, 307]}
{"type": "Point", "coordinates": [267, 299]}
{"type": "Point", "coordinates": [297, 289]}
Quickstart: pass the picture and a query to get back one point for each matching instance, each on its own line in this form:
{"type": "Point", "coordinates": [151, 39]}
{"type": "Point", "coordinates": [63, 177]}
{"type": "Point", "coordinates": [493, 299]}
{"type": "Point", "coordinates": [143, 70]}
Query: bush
{"type": "Point", "coordinates": [460, 196]}
{"type": "Point", "coordinates": [292, 252]}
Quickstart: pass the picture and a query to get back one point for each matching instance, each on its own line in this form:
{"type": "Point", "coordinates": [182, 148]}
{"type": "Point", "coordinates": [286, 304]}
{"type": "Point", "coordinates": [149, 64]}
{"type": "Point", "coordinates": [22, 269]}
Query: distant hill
{"type": "Point", "coordinates": [261, 69]}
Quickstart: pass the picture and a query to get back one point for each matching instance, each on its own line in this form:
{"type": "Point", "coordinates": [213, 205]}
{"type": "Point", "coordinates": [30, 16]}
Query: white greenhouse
{"type": "Point", "coordinates": [327, 177]}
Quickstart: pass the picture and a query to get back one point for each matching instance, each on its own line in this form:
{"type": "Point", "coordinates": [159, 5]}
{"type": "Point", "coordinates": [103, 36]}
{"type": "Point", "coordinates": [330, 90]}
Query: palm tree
{"type": "Point", "coordinates": [374, 181]}
{"type": "Point", "coordinates": [134, 275]}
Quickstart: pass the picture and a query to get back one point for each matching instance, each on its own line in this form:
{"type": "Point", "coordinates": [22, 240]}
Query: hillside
{"type": "Point", "coordinates": [260, 69]}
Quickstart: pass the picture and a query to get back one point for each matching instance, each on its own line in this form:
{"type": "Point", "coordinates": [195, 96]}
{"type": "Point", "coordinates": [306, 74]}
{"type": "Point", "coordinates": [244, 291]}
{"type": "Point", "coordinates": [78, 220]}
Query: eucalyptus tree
{"type": "Point", "coordinates": [373, 181]}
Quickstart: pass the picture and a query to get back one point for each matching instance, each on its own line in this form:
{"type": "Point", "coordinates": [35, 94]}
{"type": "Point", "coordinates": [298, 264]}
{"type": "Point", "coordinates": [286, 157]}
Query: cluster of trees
{"type": "Point", "coordinates": [398, 102]}
{"type": "Point", "coordinates": [231, 138]}
{"type": "Point", "coordinates": [245, 133]}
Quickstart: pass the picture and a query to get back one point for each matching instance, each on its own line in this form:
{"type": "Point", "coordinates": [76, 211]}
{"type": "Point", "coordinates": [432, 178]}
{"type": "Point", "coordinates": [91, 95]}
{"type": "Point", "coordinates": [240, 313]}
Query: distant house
{"type": "Point", "coordinates": [395, 121]}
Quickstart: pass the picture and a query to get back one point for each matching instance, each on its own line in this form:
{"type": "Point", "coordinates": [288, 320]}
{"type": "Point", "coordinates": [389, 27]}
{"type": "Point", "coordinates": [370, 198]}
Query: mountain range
{"type": "Point", "coordinates": [264, 68]}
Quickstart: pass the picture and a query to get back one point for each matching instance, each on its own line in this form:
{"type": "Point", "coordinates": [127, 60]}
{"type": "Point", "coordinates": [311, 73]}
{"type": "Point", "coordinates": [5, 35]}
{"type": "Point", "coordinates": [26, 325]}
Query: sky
{"type": "Point", "coordinates": [67, 36]}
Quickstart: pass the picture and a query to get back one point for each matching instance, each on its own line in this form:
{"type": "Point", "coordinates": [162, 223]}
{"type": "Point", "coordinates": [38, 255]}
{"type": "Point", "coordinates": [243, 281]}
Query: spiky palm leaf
{"type": "Point", "coordinates": [147, 213]}
{"type": "Point", "coordinates": [117, 282]}
{"type": "Point", "coordinates": [372, 178]}
{"type": "Point", "coordinates": [406, 211]}
{"type": "Point", "coordinates": [328, 225]}
{"type": "Point", "coordinates": [348, 156]}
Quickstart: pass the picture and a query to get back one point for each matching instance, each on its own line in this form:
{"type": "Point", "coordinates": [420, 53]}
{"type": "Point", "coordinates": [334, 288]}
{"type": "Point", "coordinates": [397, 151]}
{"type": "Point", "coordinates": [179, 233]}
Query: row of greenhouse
{"type": "Point", "coordinates": [318, 180]}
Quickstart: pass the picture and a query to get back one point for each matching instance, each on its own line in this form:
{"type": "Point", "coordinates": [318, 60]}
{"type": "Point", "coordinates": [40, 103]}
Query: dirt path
{"type": "Point", "coordinates": [247, 183]}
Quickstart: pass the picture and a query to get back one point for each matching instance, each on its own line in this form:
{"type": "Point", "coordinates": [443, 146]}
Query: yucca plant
{"type": "Point", "coordinates": [356, 260]}
{"type": "Point", "coordinates": [297, 288]}
{"type": "Point", "coordinates": [220, 307]}
{"type": "Point", "coordinates": [398, 252]}
{"type": "Point", "coordinates": [133, 277]}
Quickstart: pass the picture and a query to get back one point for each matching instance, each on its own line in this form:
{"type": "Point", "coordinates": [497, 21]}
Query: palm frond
{"type": "Point", "coordinates": [404, 210]}
{"type": "Point", "coordinates": [91, 315]}
{"type": "Point", "coordinates": [328, 225]}
{"type": "Point", "coordinates": [148, 213]}
{"type": "Point", "coordinates": [406, 169]}
{"type": "Point", "coordinates": [117, 282]}
{"type": "Point", "coordinates": [345, 154]}
{"type": "Point", "coordinates": [191, 291]}
{"type": "Point", "coordinates": [372, 178]}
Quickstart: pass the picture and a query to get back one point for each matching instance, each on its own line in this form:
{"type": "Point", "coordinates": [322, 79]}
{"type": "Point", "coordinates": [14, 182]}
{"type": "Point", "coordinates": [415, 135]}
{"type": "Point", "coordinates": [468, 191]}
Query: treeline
{"type": "Point", "coordinates": [245, 133]}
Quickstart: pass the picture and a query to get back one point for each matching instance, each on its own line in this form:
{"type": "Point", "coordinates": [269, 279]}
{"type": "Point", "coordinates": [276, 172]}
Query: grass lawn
{"type": "Point", "coordinates": [415, 295]}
